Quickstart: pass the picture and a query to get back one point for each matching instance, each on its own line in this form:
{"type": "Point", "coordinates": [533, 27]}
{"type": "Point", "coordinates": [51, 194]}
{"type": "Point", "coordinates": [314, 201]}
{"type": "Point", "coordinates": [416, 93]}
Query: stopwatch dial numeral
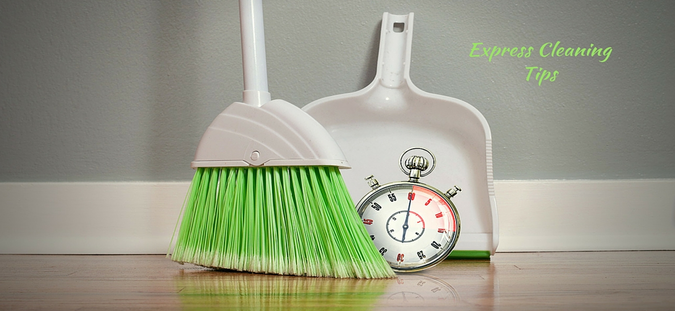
{"type": "Point", "coordinates": [399, 258]}
{"type": "Point", "coordinates": [372, 237]}
{"type": "Point", "coordinates": [439, 215]}
{"type": "Point", "coordinates": [382, 251]}
{"type": "Point", "coordinates": [435, 245]}
{"type": "Point", "coordinates": [427, 203]}
{"type": "Point", "coordinates": [376, 206]}
{"type": "Point", "coordinates": [421, 255]}
{"type": "Point", "coordinates": [367, 221]}
{"type": "Point", "coordinates": [442, 230]}
{"type": "Point", "coordinates": [411, 196]}
{"type": "Point", "coordinates": [392, 197]}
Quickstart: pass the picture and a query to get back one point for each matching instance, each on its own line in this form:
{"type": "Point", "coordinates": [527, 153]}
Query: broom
{"type": "Point", "coordinates": [267, 195]}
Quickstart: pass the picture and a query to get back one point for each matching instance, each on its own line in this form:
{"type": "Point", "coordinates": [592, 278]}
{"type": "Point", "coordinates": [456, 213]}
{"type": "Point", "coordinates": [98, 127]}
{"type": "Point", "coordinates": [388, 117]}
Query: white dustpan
{"type": "Point", "coordinates": [375, 125]}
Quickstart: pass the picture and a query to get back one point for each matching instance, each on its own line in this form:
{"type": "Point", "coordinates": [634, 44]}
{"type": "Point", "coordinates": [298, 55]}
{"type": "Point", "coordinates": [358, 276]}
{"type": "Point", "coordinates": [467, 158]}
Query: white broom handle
{"type": "Point", "coordinates": [253, 52]}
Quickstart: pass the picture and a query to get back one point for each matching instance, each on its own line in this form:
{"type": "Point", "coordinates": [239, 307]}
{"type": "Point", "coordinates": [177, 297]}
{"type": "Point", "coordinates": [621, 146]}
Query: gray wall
{"type": "Point", "coordinates": [123, 90]}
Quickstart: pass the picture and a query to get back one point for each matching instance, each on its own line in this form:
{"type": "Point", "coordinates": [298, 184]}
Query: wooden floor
{"type": "Point", "coordinates": [510, 281]}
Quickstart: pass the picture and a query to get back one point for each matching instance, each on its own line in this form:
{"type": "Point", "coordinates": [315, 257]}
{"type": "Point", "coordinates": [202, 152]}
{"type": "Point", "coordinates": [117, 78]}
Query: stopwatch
{"type": "Point", "coordinates": [413, 225]}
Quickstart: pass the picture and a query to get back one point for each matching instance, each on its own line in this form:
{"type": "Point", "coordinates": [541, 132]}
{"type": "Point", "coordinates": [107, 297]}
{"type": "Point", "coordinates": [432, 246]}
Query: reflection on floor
{"type": "Point", "coordinates": [510, 281]}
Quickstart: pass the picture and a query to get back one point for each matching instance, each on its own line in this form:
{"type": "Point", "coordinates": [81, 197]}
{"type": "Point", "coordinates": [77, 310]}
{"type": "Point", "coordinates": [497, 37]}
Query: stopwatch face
{"type": "Point", "coordinates": [413, 225]}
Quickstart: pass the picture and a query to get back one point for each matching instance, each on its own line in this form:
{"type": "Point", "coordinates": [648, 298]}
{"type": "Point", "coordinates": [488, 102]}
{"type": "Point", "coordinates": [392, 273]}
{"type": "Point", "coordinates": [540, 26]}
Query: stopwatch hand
{"type": "Point", "coordinates": [405, 224]}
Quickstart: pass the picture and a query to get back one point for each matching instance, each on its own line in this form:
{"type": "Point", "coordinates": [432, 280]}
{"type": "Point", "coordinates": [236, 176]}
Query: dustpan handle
{"type": "Point", "coordinates": [395, 49]}
{"type": "Point", "coordinates": [253, 52]}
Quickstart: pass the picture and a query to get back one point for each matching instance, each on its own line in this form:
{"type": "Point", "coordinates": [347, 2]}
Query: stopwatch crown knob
{"type": "Point", "coordinates": [416, 164]}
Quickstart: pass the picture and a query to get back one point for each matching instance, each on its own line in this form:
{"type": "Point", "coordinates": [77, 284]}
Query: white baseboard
{"type": "Point", "coordinates": [139, 217]}
{"type": "Point", "coordinates": [581, 215]}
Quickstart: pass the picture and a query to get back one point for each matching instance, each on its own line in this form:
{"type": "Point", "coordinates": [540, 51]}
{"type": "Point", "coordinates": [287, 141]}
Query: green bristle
{"type": "Point", "coordinates": [280, 220]}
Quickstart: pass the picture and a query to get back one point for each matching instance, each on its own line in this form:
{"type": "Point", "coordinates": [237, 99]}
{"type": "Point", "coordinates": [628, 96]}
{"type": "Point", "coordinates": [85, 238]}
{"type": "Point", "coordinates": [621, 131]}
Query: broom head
{"type": "Point", "coordinates": [268, 197]}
